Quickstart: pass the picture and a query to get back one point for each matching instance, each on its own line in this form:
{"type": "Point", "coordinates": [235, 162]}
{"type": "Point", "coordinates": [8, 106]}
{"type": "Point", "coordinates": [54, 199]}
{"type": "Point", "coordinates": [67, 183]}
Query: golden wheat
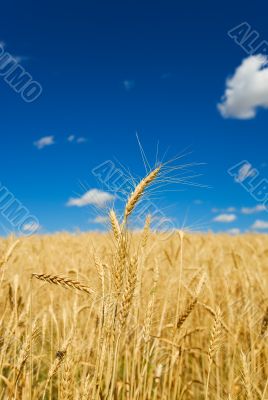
{"type": "Point", "coordinates": [139, 190]}
{"type": "Point", "coordinates": [64, 282]}
{"type": "Point", "coordinates": [151, 328]}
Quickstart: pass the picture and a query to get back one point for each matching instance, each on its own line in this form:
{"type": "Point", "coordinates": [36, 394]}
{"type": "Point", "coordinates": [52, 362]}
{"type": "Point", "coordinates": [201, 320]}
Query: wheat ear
{"type": "Point", "coordinates": [192, 303]}
{"type": "Point", "coordinates": [186, 313]}
{"type": "Point", "coordinates": [67, 379]}
{"type": "Point", "coordinates": [64, 282]}
{"type": "Point", "coordinates": [214, 345]}
{"type": "Point", "coordinates": [216, 336]}
{"type": "Point", "coordinates": [139, 190]}
{"type": "Point", "coordinates": [129, 292]}
{"type": "Point", "coordinates": [115, 225]}
{"type": "Point", "coordinates": [146, 231]}
{"type": "Point", "coordinates": [246, 377]}
{"type": "Point", "coordinates": [119, 265]}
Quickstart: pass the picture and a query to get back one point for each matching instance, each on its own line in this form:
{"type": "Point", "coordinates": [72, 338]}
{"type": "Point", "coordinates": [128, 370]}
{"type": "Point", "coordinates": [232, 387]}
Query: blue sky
{"type": "Point", "coordinates": [111, 69]}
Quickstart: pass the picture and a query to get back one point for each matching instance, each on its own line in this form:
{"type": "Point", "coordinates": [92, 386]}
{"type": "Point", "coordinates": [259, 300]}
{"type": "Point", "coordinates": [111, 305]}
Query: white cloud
{"type": "Point", "coordinates": [44, 141]}
{"type": "Point", "coordinates": [128, 85]}
{"type": "Point", "coordinates": [223, 210]}
{"type": "Point", "coordinates": [94, 196]}
{"type": "Point", "coordinates": [259, 224]}
{"type": "Point", "coordinates": [71, 138]}
{"type": "Point", "coordinates": [247, 89]}
{"type": "Point", "coordinates": [31, 227]}
{"type": "Point", "coordinates": [253, 210]}
{"type": "Point", "coordinates": [225, 218]}
{"type": "Point", "coordinates": [234, 231]}
{"type": "Point", "coordinates": [101, 219]}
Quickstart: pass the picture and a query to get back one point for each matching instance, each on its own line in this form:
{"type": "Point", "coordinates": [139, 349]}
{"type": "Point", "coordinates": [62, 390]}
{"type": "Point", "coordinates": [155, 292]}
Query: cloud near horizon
{"type": "Point", "coordinates": [226, 218]}
{"type": "Point", "coordinates": [253, 210]}
{"type": "Point", "coordinates": [234, 231]}
{"type": "Point", "coordinates": [247, 89]}
{"type": "Point", "coordinates": [100, 219]}
{"type": "Point", "coordinates": [94, 197]}
{"type": "Point", "coordinates": [260, 224]}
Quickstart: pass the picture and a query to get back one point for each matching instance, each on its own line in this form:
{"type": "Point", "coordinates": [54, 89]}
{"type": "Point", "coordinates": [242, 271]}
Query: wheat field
{"type": "Point", "coordinates": [124, 315]}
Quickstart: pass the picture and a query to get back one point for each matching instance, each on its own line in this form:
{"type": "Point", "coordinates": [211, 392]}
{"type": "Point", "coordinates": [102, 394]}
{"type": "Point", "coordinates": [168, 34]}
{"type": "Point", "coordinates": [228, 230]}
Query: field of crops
{"type": "Point", "coordinates": [189, 323]}
{"type": "Point", "coordinates": [125, 315]}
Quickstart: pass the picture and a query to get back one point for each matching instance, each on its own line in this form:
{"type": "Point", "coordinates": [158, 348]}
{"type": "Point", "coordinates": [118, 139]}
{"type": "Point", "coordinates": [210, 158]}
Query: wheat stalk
{"type": "Point", "coordinates": [25, 351]}
{"type": "Point", "coordinates": [9, 253]}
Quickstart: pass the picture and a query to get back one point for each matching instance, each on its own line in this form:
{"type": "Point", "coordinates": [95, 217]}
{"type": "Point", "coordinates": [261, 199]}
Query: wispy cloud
{"type": "Point", "coordinates": [71, 138]}
{"type": "Point", "coordinates": [247, 89]}
{"type": "Point", "coordinates": [128, 84]}
{"type": "Point", "coordinates": [234, 231]}
{"type": "Point", "coordinates": [253, 210]}
{"type": "Point", "coordinates": [226, 218]}
{"type": "Point", "coordinates": [74, 139]}
{"type": "Point", "coordinates": [224, 210]}
{"type": "Point", "coordinates": [100, 219]}
{"type": "Point", "coordinates": [44, 141]}
{"type": "Point", "coordinates": [260, 224]}
{"type": "Point", "coordinates": [94, 196]}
